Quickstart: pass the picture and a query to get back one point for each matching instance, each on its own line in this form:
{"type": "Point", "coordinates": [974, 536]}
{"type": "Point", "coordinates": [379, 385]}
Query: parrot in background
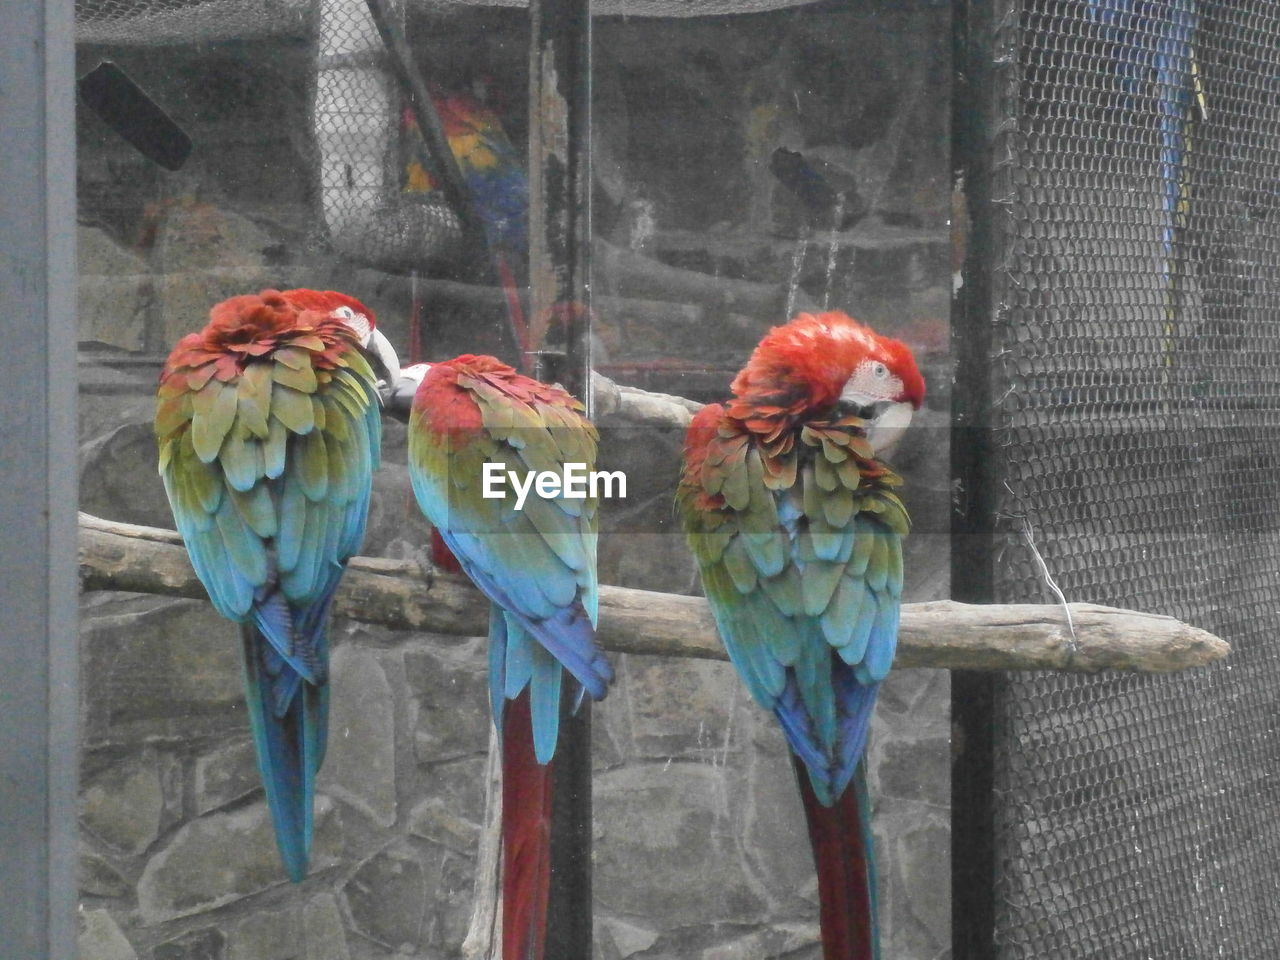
{"type": "Point", "coordinates": [1153, 47]}
{"type": "Point", "coordinates": [797, 531]}
{"type": "Point", "coordinates": [267, 422]}
{"type": "Point", "coordinates": [499, 188]}
{"type": "Point", "coordinates": [536, 562]}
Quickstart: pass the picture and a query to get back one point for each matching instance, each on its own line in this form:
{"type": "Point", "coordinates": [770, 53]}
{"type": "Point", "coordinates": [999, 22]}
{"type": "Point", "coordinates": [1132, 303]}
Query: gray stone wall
{"type": "Point", "coordinates": [700, 848]}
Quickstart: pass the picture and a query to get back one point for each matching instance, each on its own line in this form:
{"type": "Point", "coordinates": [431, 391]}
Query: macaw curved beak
{"type": "Point", "coordinates": [398, 398]}
{"type": "Point", "coordinates": [888, 426]}
{"type": "Point", "coordinates": [385, 361]}
{"type": "Point", "coordinates": [887, 420]}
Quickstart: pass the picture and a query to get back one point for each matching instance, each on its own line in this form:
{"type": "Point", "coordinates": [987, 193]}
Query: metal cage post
{"type": "Point", "coordinates": [974, 465]}
{"type": "Point", "coordinates": [560, 332]}
{"type": "Point", "coordinates": [38, 585]}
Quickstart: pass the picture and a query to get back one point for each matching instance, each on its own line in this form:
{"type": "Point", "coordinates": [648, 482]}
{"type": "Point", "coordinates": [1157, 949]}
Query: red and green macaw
{"type": "Point", "coordinates": [268, 426]}
{"type": "Point", "coordinates": [534, 557]}
{"type": "Point", "coordinates": [499, 189]}
{"type": "Point", "coordinates": [797, 530]}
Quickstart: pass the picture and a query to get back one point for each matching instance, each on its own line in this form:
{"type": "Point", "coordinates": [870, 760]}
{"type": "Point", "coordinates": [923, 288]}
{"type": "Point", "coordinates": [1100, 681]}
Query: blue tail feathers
{"type": "Point", "coordinates": [288, 719]}
{"type": "Point", "coordinates": [830, 762]}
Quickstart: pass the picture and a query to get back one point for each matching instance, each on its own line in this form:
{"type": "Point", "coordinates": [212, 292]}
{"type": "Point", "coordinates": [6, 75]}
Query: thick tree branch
{"type": "Point", "coordinates": [395, 593]}
{"type": "Point", "coordinates": [640, 407]}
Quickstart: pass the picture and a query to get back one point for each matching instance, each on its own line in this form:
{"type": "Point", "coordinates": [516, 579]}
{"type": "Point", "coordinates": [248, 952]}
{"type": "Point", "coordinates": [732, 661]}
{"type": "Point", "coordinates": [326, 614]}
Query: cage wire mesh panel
{"type": "Point", "coordinates": [184, 21]}
{"type": "Point", "coordinates": [376, 207]}
{"type": "Point", "coordinates": [1136, 365]}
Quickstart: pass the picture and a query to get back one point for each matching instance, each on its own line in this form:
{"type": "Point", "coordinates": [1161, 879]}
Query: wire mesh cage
{"type": "Point", "coordinates": [1135, 407]}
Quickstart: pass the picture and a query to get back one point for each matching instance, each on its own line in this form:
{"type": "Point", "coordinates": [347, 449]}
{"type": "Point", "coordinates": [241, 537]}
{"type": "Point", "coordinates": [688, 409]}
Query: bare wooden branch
{"type": "Point", "coordinates": [484, 940]}
{"type": "Point", "coordinates": [640, 407]}
{"type": "Point", "coordinates": [957, 636]}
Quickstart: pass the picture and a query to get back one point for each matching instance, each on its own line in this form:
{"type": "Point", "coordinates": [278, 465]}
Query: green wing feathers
{"type": "Point", "coordinates": [268, 465]}
{"type": "Point", "coordinates": [799, 543]}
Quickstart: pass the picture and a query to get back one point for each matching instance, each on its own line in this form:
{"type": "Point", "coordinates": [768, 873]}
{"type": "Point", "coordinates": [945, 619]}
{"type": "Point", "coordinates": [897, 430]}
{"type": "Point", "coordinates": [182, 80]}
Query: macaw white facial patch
{"type": "Point", "coordinates": [887, 429]}
{"type": "Point", "coordinates": [573, 482]}
{"type": "Point", "coordinates": [358, 322]}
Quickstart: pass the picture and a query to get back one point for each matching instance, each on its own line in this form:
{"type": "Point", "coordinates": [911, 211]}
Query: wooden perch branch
{"type": "Point", "coordinates": [395, 593]}
{"type": "Point", "coordinates": [640, 407]}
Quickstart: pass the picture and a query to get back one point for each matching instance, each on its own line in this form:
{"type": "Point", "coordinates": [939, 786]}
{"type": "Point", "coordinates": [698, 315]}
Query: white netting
{"type": "Point", "coordinates": [190, 21]}
{"type": "Point", "coordinates": [643, 8]}
{"type": "Point", "coordinates": [185, 21]}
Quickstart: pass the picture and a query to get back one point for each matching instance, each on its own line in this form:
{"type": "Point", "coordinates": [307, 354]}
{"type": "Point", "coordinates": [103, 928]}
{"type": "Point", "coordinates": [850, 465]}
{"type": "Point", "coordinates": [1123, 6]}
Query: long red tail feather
{"type": "Point", "coordinates": [844, 893]}
{"type": "Point", "coordinates": [441, 556]}
{"type": "Point", "coordinates": [526, 836]}
{"type": "Point", "coordinates": [515, 312]}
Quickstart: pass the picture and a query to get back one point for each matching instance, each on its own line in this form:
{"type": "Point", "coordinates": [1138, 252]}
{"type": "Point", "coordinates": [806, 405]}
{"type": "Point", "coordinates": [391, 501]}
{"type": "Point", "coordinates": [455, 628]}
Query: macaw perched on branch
{"type": "Point", "coordinates": [268, 427]}
{"type": "Point", "coordinates": [534, 557]}
{"type": "Point", "coordinates": [798, 534]}
{"type": "Point", "coordinates": [498, 186]}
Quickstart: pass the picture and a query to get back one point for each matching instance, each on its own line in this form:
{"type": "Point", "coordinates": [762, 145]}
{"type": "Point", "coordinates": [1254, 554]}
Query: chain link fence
{"type": "Point", "coordinates": [1136, 387]}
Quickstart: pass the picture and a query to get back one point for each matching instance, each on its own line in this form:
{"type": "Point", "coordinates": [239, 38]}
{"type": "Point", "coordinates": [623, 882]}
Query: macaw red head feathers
{"type": "Point", "coordinates": [817, 362]}
{"type": "Point", "coordinates": [358, 318]}
{"type": "Point", "coordinates": [256, 324]}
{"type": "Point", "coordinates": [337, 305]}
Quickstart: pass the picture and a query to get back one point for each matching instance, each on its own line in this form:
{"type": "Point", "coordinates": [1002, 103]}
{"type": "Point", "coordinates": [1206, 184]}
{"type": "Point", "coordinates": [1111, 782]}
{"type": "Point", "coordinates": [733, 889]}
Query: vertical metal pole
{"type": "Point", "coordinates": [560, 192]}
{"type": "Point", "coordinates": [38, 584]}
{"type": "Point", "coordinates": [975, 466]}
{"type": "Point", "coordinates": [560, 332]}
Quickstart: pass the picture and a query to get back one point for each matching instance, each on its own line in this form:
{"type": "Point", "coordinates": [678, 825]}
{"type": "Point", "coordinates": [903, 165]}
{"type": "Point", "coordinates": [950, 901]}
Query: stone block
{"type": "Point", "coordinates": [620, 939]}
{"type": "Point", "coordinates": [192, 234]}
{"type": "Point", "coordinates": [387, 899]}
{"type": "Point", "coordinates": [98, 878]}
{"type": "Point", "coordinates": [98, 255]}
{"type": "Point", "coordinates": [449, 688]}
{"type": "Point", "coordinates": [101, 938]}
{"type": "Point", "coordinates": [394, 517]}
{"type": "Point", "coordinates": [206, 944]}
{"type": "Point", "coordinates": [646, 560]}
{"type": "Point", "coordinates": [113, 310]}
{"type": "Point", "coordinates": [322, 929]}
{"type": "Point", "coordinates": [224, 857]}
{"type": "Point", "coordinates": [666, 847]}
{"type": "Point", "coordinates": [273, 934]}
{"type": "Point", "coordinates": [649, 456]}
{"type": "Point", "coordinates": [610, 725]}
{"type": "Point", "coordinates": [164, 669]}
{"type": "Point", "coordinates": [776, 838]}
{"type": "Point", "coordinates": [113, 394]}
{"type": "Point", "coordinates": [359, 766]}
{"type": "Point", "coordinates": [790, 941]}
{"type": "Point", "coordinates": [118, 477]}
{"type": "Point", "coordinates": [114, 291]}
{"type": "Point", "coordinates": [680, 708]}
{"type": "Point", "coordinates": [902, 763]}
{"type": "Point", "coordinates": [225, 774]}
{"type": "Point", "coordinates": [122, 805]}
{"type": "Point", "coordinates": [453, 810]}
{"type": "Point", "coordinates": [184, 297]}
{"type": "Point", "coordinates": [452, 904]}
{"type": "Point", "coordinates": [914, 699]}
{"type": "Point", "coordinates": [920, 912]}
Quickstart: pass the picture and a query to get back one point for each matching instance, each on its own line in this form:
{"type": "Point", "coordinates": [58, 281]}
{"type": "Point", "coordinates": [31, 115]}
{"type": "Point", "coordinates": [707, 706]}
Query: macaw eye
{"type": "Point", "coordinates": [345, 313]}
{"type": "Point", "coordinates": [879, 370]}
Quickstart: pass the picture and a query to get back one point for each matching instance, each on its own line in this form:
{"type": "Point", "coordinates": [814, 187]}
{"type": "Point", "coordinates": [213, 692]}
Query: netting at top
{"type": "Point", "coordinates": [189, 21]}
{"type": "Point", "coordinates": [185, 21]}
{"type": "Point", "coordinates": [1137, 374]}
